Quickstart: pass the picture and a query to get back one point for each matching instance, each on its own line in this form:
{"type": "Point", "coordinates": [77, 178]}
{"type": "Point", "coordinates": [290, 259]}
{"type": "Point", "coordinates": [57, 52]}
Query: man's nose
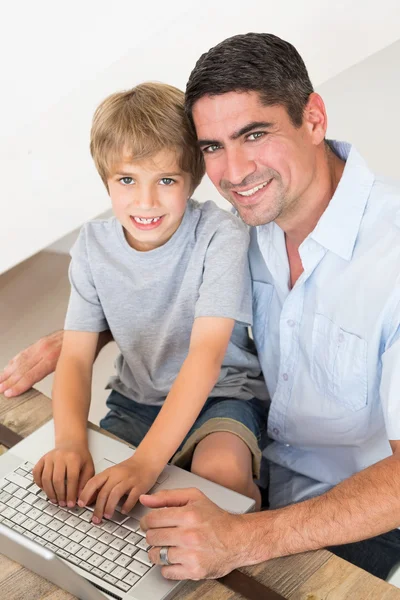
{"type": "Point", "coordinates": [238, 166]}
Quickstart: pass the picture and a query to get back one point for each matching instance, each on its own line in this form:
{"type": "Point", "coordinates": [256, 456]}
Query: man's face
{"type": "Point", "coordinates": [254, 155]}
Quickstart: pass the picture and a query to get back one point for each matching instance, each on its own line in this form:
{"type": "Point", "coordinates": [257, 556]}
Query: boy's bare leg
{"type": "Point", "coordinates": [224, 458]}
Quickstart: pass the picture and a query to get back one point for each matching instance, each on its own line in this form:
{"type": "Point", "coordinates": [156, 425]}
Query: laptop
{"type": "Point", "coordinates": [92, 562]}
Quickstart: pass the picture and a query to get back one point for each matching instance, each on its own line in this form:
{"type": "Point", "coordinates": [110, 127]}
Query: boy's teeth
{"type": "Point", "coordinates": [146, 221]}
{"type": "Point", "coordinates": [253, 190]}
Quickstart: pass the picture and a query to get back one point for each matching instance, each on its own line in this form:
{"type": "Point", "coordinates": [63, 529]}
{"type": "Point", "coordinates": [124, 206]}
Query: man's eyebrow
{"type": "Point", "coordinates": [237, 134]}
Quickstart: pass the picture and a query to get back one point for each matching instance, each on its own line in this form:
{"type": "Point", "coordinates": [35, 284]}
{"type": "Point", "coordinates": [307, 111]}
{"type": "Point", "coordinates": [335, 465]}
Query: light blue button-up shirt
{"type": "Point", "coordinates": [330, 347]}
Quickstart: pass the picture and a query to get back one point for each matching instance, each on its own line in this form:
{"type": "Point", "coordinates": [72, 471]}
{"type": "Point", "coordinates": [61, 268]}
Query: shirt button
{"type": "Point", "coordinates": [341, 337]}
{"type": "Point", "coordinates": [291, 323]}
{"type": "Point", "coordinates": [285, 376]}
{"type": "Point", "coordinates": [287, 445]}
{"type": "Point", "coordinates": [275, 430]}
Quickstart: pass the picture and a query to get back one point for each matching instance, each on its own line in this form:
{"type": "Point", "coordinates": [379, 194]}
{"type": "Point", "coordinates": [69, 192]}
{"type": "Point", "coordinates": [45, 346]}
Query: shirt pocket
{"type": "Point", "coordinates": [339, 363]}
{"type": "Point", "coordinates": [262, 296]}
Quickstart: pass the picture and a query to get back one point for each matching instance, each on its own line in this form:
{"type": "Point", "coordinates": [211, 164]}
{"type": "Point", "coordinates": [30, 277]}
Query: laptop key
{"type": "Point", "coordinates": [143, 545]}
{"type": "Point", "coordinates": [131, 579]}
{"type": "Point", "coordinates": [86, 566]}
{"type": "Point", "coordinates": [11, 488]}
{"type": "Point", "coordinates": [73, 521]}
{"type": "Point", "coordinates": [123, 560]}
{"type": "Point", "coordinates": [8, 512]}
{"type": "Point", "coordinates": [55, 525]}
{"type": "Point", "coordinates": [129, 550]}
{"type": "Point", "coordinates": [110, 527]}
{"type": "Point", "coordinates": [19, 518]}
{"type": "Point", "coordinates": [137, 567]}
{"type": "Point", "coordinates": [24, 507]}
{"type": "Point", "coordinates": [40, 504]}
{"type": "Point", "coordinates": [100, 548]}
{"type": "Point", "coordinates": [95, 560]}
{"type": "Point", "coordinates": [76, 510]}
{"type": "Point", "coordinates": [62, 515]}
{"type": "Point", "coordinates": [112, 554]}
{"type": "Point", "coordinates": [73, 548]}
{"type": "Point", "coordinates": [44, 519]}
{"type": "Point", "coordinates": [88, 542]}
{"type": "Point", "coordinates": [95, 532]}
{"type": "Point", "coordinates": [30, 498]}
{"type": "Point", "coordinates": [51, 547]}
{"type": "Point", "coordinates": [119, 572]}
{"type": "Point", "coordinates": [98, 572]}
{"type": "Point", "coordinates": [86, 516]}
{"type": "Point", "coordinates": [77, 536]}
{"type": "Point", "coordinates": [62, 553]}
{"type": "Point", "coordinates": [50, 536]}
{"type": "Point", "coordinates": [132, 524]}
{"type": "Point", "coordinates": [21, 482]}
{"type": "Point", "coordinates": [121, 532]}
{"type": "Point", "coordinates": [106, 538]}
{"type": "Point", "coordinates": [51, 509]}
{"type": "Point", "coordinates": [21, 493]}
{"type": "Point", "coordinates": [66, 530]}
{"type": "Point", "coordinates": [107, 565]}
{"type": "Point", "coordinates": [133, 538]}
{"type": "Point", "coordinates": [74, 559]}
{"type": "Point", "coordinates": [34, 513]}
{"type": "Point", "coordinates": [4, 496]}
{"type": "Point", "coordinates": [84, 554]}
{"type": "Point", "coordinates": [34, 489]}
{"type": "Point", "coordinates": [109, 578]}
{"type": "Point", "coordinates": [83, 526]}
{"type": "Point", "coordinates": [123, 586]}
{"type": "Point", "coordinates": [61, 541]}
{"type": "Point", "coordinates": [143, 557]}
{"type": "Point", "coordinates": [40, 530]}
{"type": "Point", "coordinates": [118, 544]}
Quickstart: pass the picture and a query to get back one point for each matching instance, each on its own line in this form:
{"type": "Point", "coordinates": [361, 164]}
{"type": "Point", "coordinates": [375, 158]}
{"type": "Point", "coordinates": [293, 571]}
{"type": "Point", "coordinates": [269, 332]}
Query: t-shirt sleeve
{"type": "Point", "coordinates": [226, 287]}
{"type": "Point", "coordinates": [84, 312]}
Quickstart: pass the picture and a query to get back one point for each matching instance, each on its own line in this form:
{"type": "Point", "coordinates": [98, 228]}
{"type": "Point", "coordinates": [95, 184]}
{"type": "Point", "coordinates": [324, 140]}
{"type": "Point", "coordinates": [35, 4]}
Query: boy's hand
{"type": "Point", "coordinates": [63, 472]}
{"type": "Point", "coordinates": [129, 477]}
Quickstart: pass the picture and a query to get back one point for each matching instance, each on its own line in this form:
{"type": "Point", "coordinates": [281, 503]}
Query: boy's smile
{"type": "Point", "coordinates": [149, 198]}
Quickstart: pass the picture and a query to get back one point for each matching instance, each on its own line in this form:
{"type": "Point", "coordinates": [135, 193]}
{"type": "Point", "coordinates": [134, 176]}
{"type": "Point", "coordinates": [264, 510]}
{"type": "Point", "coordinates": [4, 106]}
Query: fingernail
{"type": "Point", "coordinates": [8, 393]}
{"type": "Point", "coordinates": [53, 500]}
{"type": "Point", "coordinates": [70, 504]}
{"type": "Point", "coordinates": [81, 503]}
{"type": "Point", "coordinates": [108, 516]}
{"type": "Point", "coordinates": [61, 503]}
{"type": "Point", "coordinates": [96, 520]}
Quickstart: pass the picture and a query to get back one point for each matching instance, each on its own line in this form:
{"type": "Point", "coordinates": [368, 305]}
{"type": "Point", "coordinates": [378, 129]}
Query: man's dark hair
{"type": "Point", "coordinates": [253, 62]}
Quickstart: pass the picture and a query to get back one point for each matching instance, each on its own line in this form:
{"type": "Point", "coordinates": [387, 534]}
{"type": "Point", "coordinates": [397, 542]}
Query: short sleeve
{"type": "Point", "coordinates": [85, 312]}
{"type": "Point", "coordinates": [226, 287]}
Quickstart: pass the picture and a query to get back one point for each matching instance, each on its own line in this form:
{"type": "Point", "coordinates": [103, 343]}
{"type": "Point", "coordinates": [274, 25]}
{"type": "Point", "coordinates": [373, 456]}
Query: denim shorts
{"type": "Point", "coordinates": [247, 419]}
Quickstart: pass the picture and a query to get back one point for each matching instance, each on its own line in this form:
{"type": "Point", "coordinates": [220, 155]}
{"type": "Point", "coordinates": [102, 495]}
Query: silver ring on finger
{"type": "Point", "coordinates": [164, 556]}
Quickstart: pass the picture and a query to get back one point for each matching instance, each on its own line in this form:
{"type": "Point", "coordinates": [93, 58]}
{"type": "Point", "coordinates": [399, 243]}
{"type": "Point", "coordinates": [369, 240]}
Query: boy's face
{"type": "Point", "coordinates": [149, 198]}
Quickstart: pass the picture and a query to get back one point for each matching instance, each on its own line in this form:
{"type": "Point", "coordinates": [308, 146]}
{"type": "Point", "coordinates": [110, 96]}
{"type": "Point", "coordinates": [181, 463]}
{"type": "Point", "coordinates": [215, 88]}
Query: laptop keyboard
{"type": "Point", "coordinates": [114, 551]}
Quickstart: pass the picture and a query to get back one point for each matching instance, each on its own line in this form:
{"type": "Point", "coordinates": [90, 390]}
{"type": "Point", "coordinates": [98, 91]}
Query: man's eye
{"type": "Point", "coordinates": [255, 136]}
{"type": "Point", "coordinates": [211, 149]}
{"type": "Point", "coordinates": [167, 181]}
{"type": "Point", "coordinates": [126, 180]}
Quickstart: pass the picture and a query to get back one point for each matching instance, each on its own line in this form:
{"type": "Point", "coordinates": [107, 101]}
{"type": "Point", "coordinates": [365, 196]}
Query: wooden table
{"type": "Point", "coordinates": [310, 576]}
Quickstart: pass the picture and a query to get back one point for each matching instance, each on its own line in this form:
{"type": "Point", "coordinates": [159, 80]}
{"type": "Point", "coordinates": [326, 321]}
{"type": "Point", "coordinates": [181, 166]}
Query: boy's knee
{"type": "Point", "coordinates": [223, 470]}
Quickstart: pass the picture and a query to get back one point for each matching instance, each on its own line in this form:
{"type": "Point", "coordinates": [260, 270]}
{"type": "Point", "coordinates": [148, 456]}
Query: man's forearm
{"type": "Point", "coordinates": [363, 506]}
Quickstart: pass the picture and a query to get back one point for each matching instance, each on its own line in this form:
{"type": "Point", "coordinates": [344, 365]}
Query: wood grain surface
{"type": "Point", "coordinates": [309, 576]}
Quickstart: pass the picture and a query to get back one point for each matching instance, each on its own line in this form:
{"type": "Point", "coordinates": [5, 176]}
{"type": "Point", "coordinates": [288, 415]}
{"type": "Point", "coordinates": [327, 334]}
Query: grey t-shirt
{"type": "Point", "coordinates": [149, 300]}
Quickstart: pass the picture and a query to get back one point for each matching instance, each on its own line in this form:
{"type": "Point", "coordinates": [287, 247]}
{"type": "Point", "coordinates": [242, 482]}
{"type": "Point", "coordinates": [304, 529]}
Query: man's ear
{"type": "Point", "coordinates": [315, 118]}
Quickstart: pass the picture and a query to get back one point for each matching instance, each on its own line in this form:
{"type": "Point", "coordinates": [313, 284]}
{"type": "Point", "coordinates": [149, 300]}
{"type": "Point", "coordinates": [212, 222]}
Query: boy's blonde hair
{"type": "Point", "coordinates": [138, 124]}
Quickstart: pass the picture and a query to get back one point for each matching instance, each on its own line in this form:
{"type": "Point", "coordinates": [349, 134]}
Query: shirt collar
{"type": "Point", "coordinates": [338, 227]}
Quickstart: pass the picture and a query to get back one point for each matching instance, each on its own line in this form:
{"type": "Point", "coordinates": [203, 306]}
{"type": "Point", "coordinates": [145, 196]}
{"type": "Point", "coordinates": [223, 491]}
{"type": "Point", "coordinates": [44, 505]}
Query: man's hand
{"type": "Point", "coordinates": [63, 472]}
{"type": "Point", "coordinates": [31, 365]}
{"type": "Point", "coordinates": [129, 478]}
{"type": "Point", "coordinates": [205, 542]}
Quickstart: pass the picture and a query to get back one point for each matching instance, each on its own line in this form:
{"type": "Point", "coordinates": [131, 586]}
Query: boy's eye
{"type": "Point", "coordinates": [126, 180]}
{"type": "Point", "coordinates": [212, 148]}
{"type": "Point", "coordinates": [167, 181]}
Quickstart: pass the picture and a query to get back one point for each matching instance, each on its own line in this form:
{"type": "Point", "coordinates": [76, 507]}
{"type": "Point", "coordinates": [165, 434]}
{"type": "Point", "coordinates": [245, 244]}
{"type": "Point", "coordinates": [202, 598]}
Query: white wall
{"type": "Point", "coordinates": [363, 105]}
{"type": "Point", "coordinates": [61, 64]}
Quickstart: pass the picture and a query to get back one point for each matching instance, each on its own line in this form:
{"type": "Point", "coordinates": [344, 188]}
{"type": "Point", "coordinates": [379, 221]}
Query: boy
{"type": "Point", "coordinates": [169, 278]}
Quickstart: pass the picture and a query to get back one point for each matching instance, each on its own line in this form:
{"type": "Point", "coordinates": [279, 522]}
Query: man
{"type": "Point", "coordinates": [324, 256]}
